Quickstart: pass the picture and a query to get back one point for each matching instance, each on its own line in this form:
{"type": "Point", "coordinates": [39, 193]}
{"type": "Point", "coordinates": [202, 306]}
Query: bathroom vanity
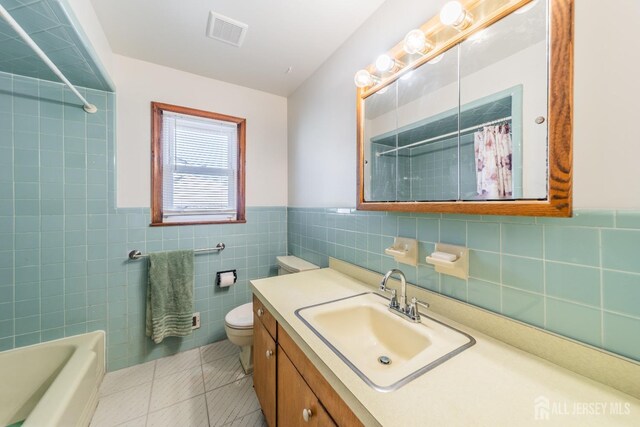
{"type": "Point", "coordinates": [300, 380]}
{"type": "Point", "coordinates": [289, 387]}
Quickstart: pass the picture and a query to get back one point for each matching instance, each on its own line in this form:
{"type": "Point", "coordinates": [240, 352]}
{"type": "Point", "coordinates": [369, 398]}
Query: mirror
{"type": "Point", "coordinates": [469, 130]}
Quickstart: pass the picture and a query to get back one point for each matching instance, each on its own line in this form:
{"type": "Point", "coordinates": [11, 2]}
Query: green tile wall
{"type": "Point", "coordinates": [578, 277]}
{"type": "Point", "coordinates": [64, 245]}
{"type": "Point", "coordinates": [52, 25]}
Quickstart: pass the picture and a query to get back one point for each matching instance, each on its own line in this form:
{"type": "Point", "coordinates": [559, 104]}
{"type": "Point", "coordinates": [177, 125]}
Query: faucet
{"type": "Point", "coordinates": [403, 287]}
{"type": "Point", "coordinates": [402, 309]}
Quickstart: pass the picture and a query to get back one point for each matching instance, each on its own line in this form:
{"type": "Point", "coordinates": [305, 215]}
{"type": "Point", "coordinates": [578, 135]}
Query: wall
{"type": "Point", "coordinates": [140, 82]}
{"type": "Point", "coordinates": [64, 244]}
{"type": "Point", "coordinates": [578, 277]}
{"type": "Point", "coordinates": [63, 238]}
{"type": "Point", "coordinates": [86, 23]}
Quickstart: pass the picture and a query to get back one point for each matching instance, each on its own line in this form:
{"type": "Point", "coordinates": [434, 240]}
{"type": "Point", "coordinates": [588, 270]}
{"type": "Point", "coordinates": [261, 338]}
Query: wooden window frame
{"type": "Point", "coordinates": [156, 162]}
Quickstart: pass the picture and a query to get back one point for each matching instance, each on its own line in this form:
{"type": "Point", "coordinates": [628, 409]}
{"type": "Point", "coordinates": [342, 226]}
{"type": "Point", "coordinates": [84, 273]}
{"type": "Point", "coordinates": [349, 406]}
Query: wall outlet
{"type": "Point", "coordinates": [195, 321]}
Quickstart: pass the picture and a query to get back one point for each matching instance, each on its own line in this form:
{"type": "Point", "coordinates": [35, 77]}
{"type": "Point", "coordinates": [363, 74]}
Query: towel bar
{"type": "Point", "coordinates": [136, 254]}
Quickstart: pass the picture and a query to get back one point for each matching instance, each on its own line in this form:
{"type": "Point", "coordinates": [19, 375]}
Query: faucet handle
{"type": "Point", "coordinates": [412, 310]}
{"type": "Point", "coordinates": [416, 302]}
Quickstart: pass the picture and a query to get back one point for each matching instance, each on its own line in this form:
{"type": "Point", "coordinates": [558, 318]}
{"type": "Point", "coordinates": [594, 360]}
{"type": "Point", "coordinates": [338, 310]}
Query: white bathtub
{"type": "Point", "coordinates": [53, 383]}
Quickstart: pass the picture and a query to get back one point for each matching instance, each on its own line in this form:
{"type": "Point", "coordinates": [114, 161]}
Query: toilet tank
{"type": "Point", "coordinates": [291, 264]}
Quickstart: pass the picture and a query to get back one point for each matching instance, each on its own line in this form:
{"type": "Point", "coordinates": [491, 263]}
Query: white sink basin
{"type": "Point", "coordinates": [361, 330]}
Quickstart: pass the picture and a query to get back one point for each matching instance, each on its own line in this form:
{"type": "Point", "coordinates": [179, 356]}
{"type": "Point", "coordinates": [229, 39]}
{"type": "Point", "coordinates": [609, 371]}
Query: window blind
{"type": "Point", "coordinates": [200, 168]}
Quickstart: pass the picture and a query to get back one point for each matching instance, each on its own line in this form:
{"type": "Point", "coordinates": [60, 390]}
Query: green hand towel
{"type": "Point", "coordinates": [169, 295]}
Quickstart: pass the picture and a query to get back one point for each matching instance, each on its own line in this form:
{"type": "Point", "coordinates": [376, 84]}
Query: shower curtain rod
{"type": "Point", "coordinates": [89, 108]}
{"type": "Point", "coordinates": [435, 138]}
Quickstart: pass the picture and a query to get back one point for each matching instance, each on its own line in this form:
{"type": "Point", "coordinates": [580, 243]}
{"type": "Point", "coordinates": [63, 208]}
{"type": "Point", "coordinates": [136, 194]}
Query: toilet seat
{"type": "Point", "coordinates": [240, 317]}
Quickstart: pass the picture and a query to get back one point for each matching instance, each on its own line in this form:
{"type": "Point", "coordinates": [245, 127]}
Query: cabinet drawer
{"type": "Point", "coordinates": [263, 314]}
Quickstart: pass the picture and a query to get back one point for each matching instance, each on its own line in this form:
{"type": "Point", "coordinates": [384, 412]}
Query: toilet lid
{"type": "Point", "coordinates": [240, 317]}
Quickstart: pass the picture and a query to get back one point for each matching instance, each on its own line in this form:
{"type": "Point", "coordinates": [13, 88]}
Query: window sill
{"type": "Point", "coordinates": [164, 224]}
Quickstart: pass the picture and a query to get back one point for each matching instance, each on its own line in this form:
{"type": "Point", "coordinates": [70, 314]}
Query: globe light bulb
{"type": "Point", "coordinates": [415, 42]}
{"type": "Point", "coordinates": [385, 63]}
{"type": "Point", "coordinates": [363, 79]}
{"type": "Point", "coordinates": [455, 15]}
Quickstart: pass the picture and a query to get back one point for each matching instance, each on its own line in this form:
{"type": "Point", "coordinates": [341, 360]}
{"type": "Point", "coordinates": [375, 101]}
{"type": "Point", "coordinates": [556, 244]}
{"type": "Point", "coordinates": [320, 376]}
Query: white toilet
{"type": "Point", "coordinates": [238, 323]}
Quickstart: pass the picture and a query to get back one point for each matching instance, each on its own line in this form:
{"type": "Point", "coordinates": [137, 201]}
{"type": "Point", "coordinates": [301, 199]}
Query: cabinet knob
{"type": "Point", "coordinates": [269, 354]}
{"type": "Point", "coordinates": [306, 414]}
{"type": "Point", "coordinates": [260, 312]}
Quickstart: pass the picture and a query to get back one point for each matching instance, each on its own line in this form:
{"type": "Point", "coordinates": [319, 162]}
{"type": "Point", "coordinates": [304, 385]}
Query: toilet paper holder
{"type": "Point", "coordinates": [219, 273]}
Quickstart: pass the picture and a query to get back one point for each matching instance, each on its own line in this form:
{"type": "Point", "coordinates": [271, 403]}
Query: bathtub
{"type": "Point", "coordinates": [53, 383]}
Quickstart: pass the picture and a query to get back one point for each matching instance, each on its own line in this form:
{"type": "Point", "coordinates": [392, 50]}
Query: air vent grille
{"type": "Point", "coordinates": [226, 30]}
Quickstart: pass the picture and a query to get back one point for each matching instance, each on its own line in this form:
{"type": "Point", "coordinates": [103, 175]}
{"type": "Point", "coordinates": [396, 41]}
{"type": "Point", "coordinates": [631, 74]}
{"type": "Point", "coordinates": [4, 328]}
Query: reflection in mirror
{"type": "Point", "coordinates": [503, 96]}
{"type": "Point", "coordinates": [416, 144]}
{"type": "Point", "coordinates": [381, 172]}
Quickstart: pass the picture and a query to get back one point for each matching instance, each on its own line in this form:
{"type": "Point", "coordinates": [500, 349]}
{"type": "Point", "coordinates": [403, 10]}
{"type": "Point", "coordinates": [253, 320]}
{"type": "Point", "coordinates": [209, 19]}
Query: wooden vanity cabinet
{"type": "Point", "coordinates": [287, 383]}
{"type": "Point", "coordinates": [297, 404]}
{"type": "Point", "coordinates": [264, 364]}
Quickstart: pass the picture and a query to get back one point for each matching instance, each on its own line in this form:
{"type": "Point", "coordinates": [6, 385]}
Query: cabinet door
{"type": "Point", "coordinates": [295, 398]}
{"type": "Point", "coordinates": [264, 370]}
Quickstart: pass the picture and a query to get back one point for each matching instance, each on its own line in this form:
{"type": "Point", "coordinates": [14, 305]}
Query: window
{"type": "Point", "coordinates": [197, 166]}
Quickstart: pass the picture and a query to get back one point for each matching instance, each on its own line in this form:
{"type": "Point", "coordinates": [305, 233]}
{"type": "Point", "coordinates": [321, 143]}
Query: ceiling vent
{"type": "Point", "coordinates": [226, 29]}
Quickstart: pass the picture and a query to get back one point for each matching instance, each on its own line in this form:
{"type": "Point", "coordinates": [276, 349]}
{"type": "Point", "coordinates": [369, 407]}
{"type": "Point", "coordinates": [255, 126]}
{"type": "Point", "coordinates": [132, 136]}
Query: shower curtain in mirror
{"type": "Point", "coordinates": [493, 151]}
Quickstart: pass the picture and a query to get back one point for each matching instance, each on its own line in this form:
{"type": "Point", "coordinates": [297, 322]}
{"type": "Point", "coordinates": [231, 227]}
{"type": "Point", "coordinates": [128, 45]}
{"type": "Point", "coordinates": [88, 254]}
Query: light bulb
{"type": "Point", "coordinates": [436, 59]}
{"type": "Point", "coordinates": [385, 63]}
{"type": "Point", "coordinates": [416, 42]}
{"type": "Point", "coordinates": [363, 79]}
{"type": "Point", "coordinates": [455, 15]}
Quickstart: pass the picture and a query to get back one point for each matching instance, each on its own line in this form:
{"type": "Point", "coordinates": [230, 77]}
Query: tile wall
{"type": "Point", "coordinates": [54, 28]}
{"type": "Point", "coordinates": [64, 245]}
{"type": "Point", "coordinates": [425, 173]}
{"type": "Point", "coordinates": [578, 277]}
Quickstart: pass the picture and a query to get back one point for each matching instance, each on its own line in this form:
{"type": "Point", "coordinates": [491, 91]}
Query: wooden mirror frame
{"type": "Point", "coordinates": [560, 123]}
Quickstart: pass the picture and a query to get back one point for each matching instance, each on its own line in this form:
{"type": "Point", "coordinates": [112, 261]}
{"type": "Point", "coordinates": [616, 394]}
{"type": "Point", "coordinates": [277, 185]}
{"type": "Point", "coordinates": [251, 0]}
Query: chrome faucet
{"type": "Point", "coordinates": [402, 309]}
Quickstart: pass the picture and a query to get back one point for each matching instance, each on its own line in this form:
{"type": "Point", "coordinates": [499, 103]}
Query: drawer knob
{"type": "Point", "coordinates": [260, 312]}
{"type": "Point", "coordinates": [269, 354]}
{"type": "Point", "coordinates": [306, 414]}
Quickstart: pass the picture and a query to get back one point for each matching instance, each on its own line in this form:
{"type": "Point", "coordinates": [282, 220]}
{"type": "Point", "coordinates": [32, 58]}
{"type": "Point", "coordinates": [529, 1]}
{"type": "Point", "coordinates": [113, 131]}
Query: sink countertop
{"type": "Point", "coordinates": [489, 384]}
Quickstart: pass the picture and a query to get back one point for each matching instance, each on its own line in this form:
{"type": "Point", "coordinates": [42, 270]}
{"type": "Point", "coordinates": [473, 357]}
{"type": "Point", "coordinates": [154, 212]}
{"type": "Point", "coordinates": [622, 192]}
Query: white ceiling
{"type": "Point", "coordinates": [282, 34]}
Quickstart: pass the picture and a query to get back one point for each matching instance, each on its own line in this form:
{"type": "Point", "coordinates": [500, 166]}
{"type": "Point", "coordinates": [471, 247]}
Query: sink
{"type": "Point", "coordinates": [385, 350]}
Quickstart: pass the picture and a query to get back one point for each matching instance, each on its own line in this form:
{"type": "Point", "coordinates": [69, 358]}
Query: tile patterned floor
{"type": "Point", "coordinates": [201, 387]}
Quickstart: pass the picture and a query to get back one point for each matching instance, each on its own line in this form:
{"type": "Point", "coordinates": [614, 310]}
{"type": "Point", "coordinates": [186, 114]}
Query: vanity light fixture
{"type": "Point", "coordinates": [385, 63]}
{"type": "Point", "coordinates": [363, 79]}
{"type": "Point", "coordinates": [416, 42]}
{"type": "Point", "coordinates": [455, 15]}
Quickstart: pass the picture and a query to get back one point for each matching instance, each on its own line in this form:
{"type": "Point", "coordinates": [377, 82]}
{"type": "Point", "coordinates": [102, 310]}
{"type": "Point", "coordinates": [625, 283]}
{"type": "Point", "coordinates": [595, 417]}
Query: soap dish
{"type": "Point", "coordinates": [450, 259]}
{"type": "Point", "coordinates": [404, 250]}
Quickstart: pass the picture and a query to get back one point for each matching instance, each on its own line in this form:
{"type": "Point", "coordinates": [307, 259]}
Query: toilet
{"type": "Point", "coordinates": [238, 323]}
